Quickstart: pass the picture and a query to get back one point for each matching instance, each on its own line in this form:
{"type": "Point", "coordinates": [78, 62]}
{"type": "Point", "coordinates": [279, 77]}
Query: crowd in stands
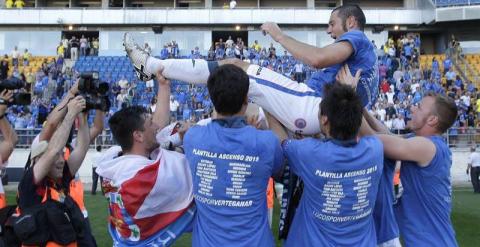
{"type": "Point", "coordinates": [404, 78]}
{"type": "Point", "coordinates": [74, 48]}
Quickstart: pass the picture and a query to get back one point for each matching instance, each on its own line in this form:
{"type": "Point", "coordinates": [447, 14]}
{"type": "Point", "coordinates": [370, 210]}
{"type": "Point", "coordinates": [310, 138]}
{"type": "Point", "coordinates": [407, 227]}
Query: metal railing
{"type": "Point", "coordinates": [460, 138]}
{"type": "Point", "coordinates": [452, 3]}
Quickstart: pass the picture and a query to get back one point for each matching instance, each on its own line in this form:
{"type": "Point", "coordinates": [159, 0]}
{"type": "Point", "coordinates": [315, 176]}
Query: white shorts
{"type": "Point", "coordinates": [293, 104]}
{"type": "Point", "coordinates": [391, 243]}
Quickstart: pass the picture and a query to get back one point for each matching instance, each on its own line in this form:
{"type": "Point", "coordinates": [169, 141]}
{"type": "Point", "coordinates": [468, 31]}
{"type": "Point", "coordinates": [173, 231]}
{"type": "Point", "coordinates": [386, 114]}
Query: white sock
{"type": "Point", "coordinates": [194, 71]}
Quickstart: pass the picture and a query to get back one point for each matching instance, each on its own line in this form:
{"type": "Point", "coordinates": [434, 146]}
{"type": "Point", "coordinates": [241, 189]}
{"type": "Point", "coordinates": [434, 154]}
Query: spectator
{"type": "Point", "coordinates": [26, 57]}
{"type": "Point", "coordinates": [256, 46]}
{"type": "Point", "coordinates": [83, 46]}
{"type": "Point", "coordinates": [398, 124]}
{"type": "Point", "coordinates": [153, 105]}
{"type": "Point", "coordinates": [299, 72]}
{"type": "Point", "coordinates": [74, 44]}
{"type": "Point", "coordinates": [176, 49]}
{"type": "Point", "coordinates": [147, 48]}
{"type": "Point", "coordinates": [60, 49]}
{"type": "Point", "coordinates": [382, 70]}
{"type": "Point", "coordinates": [3, 69]}
{"type": "Point", "coordinates": [447, 64]}
{"type": "Point", "coordinates": [450, 76]}
{"type": "Point", "coordinates": [164, 52]}
{"type": "Point", "coordinates": [384, 86]}
{"type": "Point", "coordinates": [389, 123]}
{"type": "Point", "coordinates": [390, 94]}
{"type": "Point", "coordinates": [390, 111]}
{"type": "Point", "coordinates": [95, 158]}
{"type": "Point", "coordinates": [174, 107]}
{"type": "Point", "coordinates": [95, 46]}
{"type": "Point", "coordinates": [474, 169]}
{"type": "Point", "coordinates": [19, 4]}
{"type": "Point", "coordinates": [15, 55]}
{"type": "Point", "coordinates": [233, 4]}
{"type": "Point", "coordinates": [9, 4]}
{"type": "Point", "coordinates": [229, 42]}
{"type": "Point", "coordinates": [219, 52]}
{"type": "Point", "coordinates": [66, 44]}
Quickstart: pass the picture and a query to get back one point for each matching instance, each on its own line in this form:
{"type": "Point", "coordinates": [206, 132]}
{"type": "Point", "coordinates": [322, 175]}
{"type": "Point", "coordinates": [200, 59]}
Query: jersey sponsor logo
{"type": "Point", "coordinates": [300, 123]}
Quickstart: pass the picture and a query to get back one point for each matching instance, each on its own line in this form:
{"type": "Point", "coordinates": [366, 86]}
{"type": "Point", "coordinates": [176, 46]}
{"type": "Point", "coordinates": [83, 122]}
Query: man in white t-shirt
{"type": "Point", "coordinates": [381, 112]}
{"type": "Point", "coordinates": [15, 55]}
{"type": "Point", "coordinates": [474, 168]}
{"type": "Point", "coordinates": [173, 106]}
{"type": "Point", "coordinates": [390, 94]}
{"type": "Point", "coordinates": [398, 124]}
{"type": "Point", "coordinates": [299, 72]}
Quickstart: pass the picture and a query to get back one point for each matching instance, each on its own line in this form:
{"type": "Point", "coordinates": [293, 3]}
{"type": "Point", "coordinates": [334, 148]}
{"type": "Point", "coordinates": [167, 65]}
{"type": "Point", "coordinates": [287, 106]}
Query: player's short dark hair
{"type": "Point", "coordinates": [343, 108]}
{"type": "Point", "coordinates": [228, 88]}
{"type": "Point", "coordinates": [348, 10]}
{"type": "Point", "coordinates": [98, 148]}
{"type": "Point", "coordinates": [445, 109]}
{"type": "Point", "coordinates": [124, 122]}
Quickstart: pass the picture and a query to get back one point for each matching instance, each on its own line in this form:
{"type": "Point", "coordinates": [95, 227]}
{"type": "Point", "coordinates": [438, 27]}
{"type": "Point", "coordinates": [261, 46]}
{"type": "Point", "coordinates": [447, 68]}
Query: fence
{"type": "Point", "coordinates": [456, 137]}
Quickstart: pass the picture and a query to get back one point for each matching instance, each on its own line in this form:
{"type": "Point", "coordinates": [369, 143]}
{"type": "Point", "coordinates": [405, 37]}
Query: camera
{"type": "Point", "coordinates": [18, 98]}
{"type": "Point", "coordinates": [94, 91]}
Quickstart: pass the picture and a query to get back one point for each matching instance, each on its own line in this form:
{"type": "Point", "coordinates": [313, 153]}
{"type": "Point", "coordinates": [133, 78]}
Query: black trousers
{"type": "Point", "coordinates": [474, 173]}
{"type": "Point", "coordinates": [94, 180]}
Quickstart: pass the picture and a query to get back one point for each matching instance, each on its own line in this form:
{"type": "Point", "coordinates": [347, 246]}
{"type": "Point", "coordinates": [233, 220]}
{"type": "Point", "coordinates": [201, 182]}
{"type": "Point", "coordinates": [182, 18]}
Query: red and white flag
{"type": "Point", "coordinates": [145, 195]}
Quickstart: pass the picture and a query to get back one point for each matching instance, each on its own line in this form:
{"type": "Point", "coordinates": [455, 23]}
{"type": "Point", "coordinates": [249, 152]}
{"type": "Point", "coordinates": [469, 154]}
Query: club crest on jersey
{"type": "Point", "coordinates": [300, 123]}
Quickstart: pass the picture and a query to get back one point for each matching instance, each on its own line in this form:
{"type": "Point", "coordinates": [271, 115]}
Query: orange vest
{"type": "Point", "coordinates": [270, 193]}
{"type": "Point", "coordinates": [3, 197]}
{"type": "Point", "coordinates": [396, 178]}
{"type": "Point", "coordinates": [76, 192]}
{"type": "Point", "coordinates": [54, 195]}
{"type": "Point", "coordinates": [3, 200]}
{"type": "Point", "coordinates": [76, 188]}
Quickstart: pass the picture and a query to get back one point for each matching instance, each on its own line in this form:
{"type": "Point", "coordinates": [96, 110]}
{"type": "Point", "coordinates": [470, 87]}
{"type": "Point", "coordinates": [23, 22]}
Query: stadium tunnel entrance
{"type": "Point", "coordinates": [216, 35]}
{"type": "Point", "coordinates": [78, 34]}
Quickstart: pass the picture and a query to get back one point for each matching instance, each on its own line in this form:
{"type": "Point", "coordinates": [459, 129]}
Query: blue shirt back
{"type": "Point", "coordinates": [425, 206]}
{"type": "Point", "coordinates": [340, 188]}
{"type": "Point", "coordinates": [363, 57]}
{"type": "Point", "coordinates": [230, 170]}
{"type": "Point", "coordinates": [408, 50]}
{"type": "Point", "coordinates": [385, 223]}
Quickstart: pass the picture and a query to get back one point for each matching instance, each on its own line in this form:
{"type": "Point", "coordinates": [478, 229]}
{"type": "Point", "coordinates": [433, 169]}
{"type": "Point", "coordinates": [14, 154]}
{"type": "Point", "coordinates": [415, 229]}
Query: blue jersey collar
{"type": "Point", "coordinates": [344, 143]}
{"type": "Point", "coordinates": [232, 122]}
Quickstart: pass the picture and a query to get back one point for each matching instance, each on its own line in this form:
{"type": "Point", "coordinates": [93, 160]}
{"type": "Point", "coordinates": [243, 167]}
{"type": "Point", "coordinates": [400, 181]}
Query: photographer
{"type": "Point", "coordinates": [9, 139]}
{"type": "Point", "coordinates": [52, 122]}
{"type": "Point", "coordinates": [47, 212]}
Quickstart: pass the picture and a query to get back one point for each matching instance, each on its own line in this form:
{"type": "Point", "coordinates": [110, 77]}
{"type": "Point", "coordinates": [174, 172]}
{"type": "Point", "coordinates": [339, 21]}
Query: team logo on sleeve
{"type": "Point", "coordinates": [300, 123]}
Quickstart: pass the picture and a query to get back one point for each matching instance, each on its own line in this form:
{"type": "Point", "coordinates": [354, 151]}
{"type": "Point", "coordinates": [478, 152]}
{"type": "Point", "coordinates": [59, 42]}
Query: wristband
{"type": "Point", "coordinates": [3, 102]}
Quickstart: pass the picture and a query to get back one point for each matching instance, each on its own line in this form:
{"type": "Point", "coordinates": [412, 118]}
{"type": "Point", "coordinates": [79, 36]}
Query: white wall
{"type": "Point", "coordinates": [39, 43]}
{"type": "Point", "coordinates": [111, 41]}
